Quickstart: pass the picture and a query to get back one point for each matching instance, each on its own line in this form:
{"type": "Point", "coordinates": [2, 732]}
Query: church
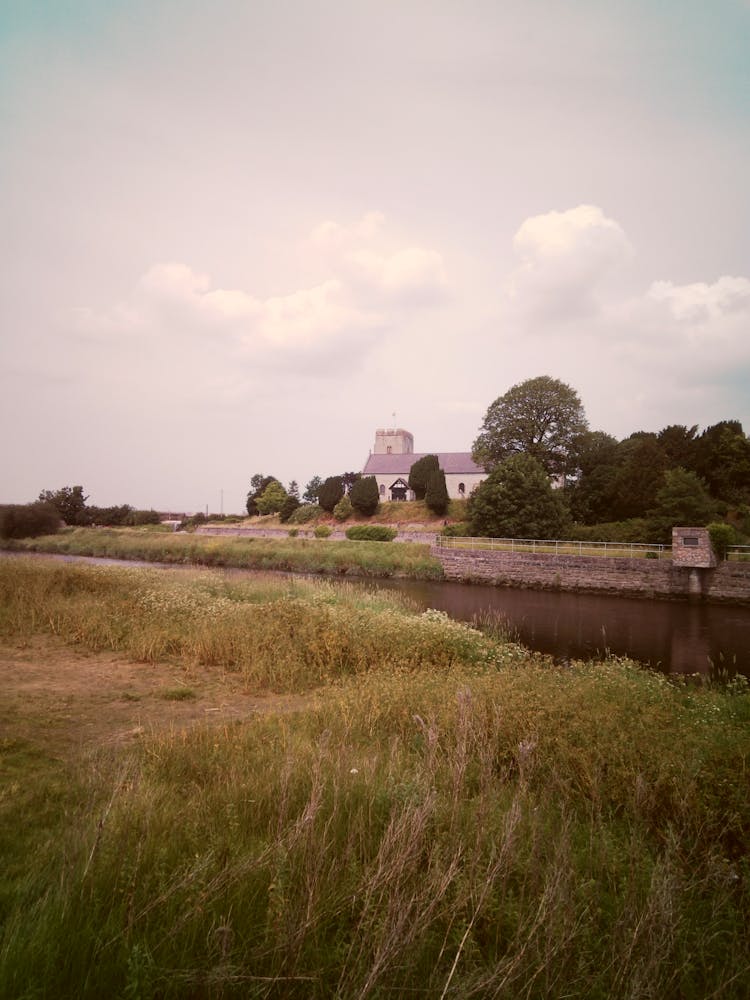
{"type": "Point", "coordinates": [392, 459]}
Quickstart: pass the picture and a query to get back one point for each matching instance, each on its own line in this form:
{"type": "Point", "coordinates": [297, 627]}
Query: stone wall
{"type": "Point", "coordinates": [728, 582]}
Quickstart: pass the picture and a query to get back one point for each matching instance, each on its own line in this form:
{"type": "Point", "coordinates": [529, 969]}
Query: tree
{"type": "Point", "coordinates": [293, 489]}
{"type": "Point", "coordinates": [540, 417]}
{"type": "Point", "coordinates": [517, 501]}
{"type": "Point", "coordinates": [349, 479]}
{"type": "Point", "coordinates": [682, 499]}
{"type": "Point", "coordinates": [678, 443]}
{"type": "Point", "coordinates": [288, 508]}
{"type": "Point", "coordinates": [436, 497]}
{"type": "Point", "coordinates": [312, 490]}
{"type": "Point", "coordinates": [28, 520]}
{"type": "Point", "coordinates": [420, 472]}
{"type": "Point", "coordinates": [364, 496]}
{"type": "Point", "coordinates": [69, 502]}
{"type": "Point", "coordinates": [258, 485]}
{"type": "Point", "coordinates": [722, 459]}
{"type": "Point", "coordinates": [641, 466]}
{"type": "Point", "coordinates": [330, 493]}
{"type": "Point", "coordinates": [272, 498]}
{"type": "Point", "coordinates": [591, 492]}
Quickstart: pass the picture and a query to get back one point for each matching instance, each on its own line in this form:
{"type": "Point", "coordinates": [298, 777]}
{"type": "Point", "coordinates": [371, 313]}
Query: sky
{"type": "Point", "coordinates": [239, 236]}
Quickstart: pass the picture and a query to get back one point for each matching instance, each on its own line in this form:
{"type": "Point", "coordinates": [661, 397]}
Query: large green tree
{"type": "Point", "coordinates": [436, 497]}
{"type": "Point", "coordinates": [69, 502]}
{"type": "Point", "coordinates": [331, 492]}
{"type": "Point", "coordinates": [681, 500]}
{"type": "Point", "coordinates": [364, 496]}
{"type": "Point", "coordinates": [541, 417]}
{"type": "Point", "coordinates": [258, 485]}
{"type": "Point", "coordinates": [420, 472]}
{"type": "Point", "coordinates": [272, 498]}
{"type": "Point", "coordinates": [517, 501]}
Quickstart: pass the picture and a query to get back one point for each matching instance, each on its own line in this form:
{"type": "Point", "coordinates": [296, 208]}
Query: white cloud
{"type": "Point", "coordinates": [565, 261]}
{"type": "Point", "coordinates": [371, 282]}
{"type": "Point", "coordinates": [700, 302]}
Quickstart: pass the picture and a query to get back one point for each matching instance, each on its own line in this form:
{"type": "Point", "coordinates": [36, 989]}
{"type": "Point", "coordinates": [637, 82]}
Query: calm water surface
{"type": "Point", "coordinates": [671, 636]}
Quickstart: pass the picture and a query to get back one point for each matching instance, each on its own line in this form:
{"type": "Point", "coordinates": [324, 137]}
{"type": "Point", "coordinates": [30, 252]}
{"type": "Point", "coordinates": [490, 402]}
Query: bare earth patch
{"type": "Point", "coordinates": [69, 699]}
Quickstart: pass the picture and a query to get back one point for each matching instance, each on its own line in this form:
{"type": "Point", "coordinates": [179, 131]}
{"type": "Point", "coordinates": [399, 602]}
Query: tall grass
{"type": "Point", "coordinates": [301, 555]}
{"type": "Point", "coordinates": [459, 819]}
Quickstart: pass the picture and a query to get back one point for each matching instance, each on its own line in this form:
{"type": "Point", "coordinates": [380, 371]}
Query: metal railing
{"type": "Point", "coordinates": [738, 553]}
{"type": "Point", "coordinates": [559, 547]}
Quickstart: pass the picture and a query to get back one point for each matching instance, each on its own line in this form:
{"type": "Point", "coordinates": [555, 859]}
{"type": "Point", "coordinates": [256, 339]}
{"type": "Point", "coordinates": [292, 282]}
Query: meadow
{"type": "Point", "coordinates": [441, 813]}
{"type": "Point", "coordinates": [298, 555]}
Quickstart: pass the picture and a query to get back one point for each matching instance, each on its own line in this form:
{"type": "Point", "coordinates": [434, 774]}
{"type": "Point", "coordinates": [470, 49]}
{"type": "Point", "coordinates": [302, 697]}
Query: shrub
{"type": "Point", "coordinates": [331, 492]}
{"type": "Point", "coordinates": [288, 508]}
{"type": "Point", "coordinates": [343, 509]}
{"type": "Point", "coordinates": [722, 536]}
{"type": "Point", "coordinates": [138, 517]}
{"type": "Point", "coordinates": [322, 531]}
{"type": "Point", "coordinates": [370, 533]}
{"type": "Point", "coordinates": [365, 496]}
{"type": "Point", "coordinates": [306, 513]}
{"type": "Point", "coordinates": [460, 530]}
{"type": "Point", "coordinates": [28, 520]}
{"type": "Point", "coordinates": [436, 497]}
{"type": "Point", "coordinates": [293, 532]}
{"type": "Point", "coordinates": [419, 474]}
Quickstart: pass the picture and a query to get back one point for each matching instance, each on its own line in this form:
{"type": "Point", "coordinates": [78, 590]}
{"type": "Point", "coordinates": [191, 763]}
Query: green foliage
{"type": "Point", "coordinates": [312, 490]}
{"type": "Point", "coordinates": [370, 533]}
{"type": "Point", "coordinates": [364, 496]}
{"type": "Point", "coordinates": [70, 504]}
{"type": "Point", "coordinates": [136, 518]}
{"type": "Point", "coordinates": [272, 499]}
{"type": "Point", "coordinates": [306, 513]}
{"type": "Point", "coordinates": [259, 484]}
{"type": "Point", "coordinates": [681, 500]}
{"type": "Point", "coordinates": [343, 509]}
{"type": "Point", "coordinates": [517, 501]}
{"type": "Point", "coordinates": [436, 497]}
{"type": "Point", "coordinates": [541, 417]}
{"type": "Point", "coordinates": [330, 493]}
{"type": "Point", "coordinates": [28, 520]}
{"type": "Point", "coordinates": [293, 532]}
{"type": "Point", "coordinates": [322, 531]}
{"type": "Point", "coordinates": [289, 506]}
{"type": "Point", "coordinates": [722, 459]}
{"type": "Point", "coordinates": [419, 474]}
{"type": "Point", "coordinates": [634, 530]}
{"type": "Point", "coordinates": [722, 536]}
{"type": "Point", "coordinates": [460, 530]}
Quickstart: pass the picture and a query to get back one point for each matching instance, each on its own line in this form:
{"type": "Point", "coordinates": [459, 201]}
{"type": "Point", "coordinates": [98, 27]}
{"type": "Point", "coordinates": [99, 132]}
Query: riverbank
{"type": "Point", "coordinates": [422, 804]}
{"type": "Point", "coordinates": [294, 555]}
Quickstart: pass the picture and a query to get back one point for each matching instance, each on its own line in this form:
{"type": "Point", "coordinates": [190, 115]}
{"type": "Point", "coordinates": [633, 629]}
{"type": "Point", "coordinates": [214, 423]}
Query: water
{"type": "Point", "coordinates": [671, 636]}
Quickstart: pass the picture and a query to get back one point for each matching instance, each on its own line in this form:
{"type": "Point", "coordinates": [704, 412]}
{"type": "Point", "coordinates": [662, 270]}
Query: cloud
{"type": "Point", "coordinates": [371, 285]}
{"type": "Point", "coordinates": [565, 261]}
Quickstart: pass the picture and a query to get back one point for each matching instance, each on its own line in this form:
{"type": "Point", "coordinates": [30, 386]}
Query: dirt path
{"type": "Point", "coordinates": [68, 699]}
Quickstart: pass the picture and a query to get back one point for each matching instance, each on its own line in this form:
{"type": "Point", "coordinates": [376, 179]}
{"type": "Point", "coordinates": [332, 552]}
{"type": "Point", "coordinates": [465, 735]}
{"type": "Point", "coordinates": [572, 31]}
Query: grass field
{"type": "Point", "coordinates": [300, 555]}
{"type": "Point", "coordinates": [289, 788]}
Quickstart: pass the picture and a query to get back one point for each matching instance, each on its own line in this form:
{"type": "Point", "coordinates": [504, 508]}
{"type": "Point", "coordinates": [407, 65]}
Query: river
{"type": "Point", "coordinates": [670, 636]}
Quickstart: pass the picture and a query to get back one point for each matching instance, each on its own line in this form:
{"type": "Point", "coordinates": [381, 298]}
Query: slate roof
{"type": "Point", "coordinates": [451, 462]}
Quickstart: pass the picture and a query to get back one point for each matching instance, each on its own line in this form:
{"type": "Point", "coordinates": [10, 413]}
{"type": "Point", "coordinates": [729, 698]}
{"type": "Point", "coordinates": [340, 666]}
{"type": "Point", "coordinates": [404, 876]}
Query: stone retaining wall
{"type": "Point", "coordinates": [337, 534]}
{"type": "Point", "coordinates": [728, 582]}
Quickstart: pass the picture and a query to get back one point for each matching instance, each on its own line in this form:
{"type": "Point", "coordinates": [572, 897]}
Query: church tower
{"type": "Point", "coordinates": [394, 442]}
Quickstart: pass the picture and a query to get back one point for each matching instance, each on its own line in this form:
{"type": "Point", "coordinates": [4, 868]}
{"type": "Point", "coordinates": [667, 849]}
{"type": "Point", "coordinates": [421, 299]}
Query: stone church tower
{"type": "Point", "coordinates": [393, 442]}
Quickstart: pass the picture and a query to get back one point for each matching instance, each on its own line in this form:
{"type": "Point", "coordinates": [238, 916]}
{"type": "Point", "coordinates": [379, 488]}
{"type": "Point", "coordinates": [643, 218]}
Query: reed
{"type": "Point", "coordinates": [461, 818]}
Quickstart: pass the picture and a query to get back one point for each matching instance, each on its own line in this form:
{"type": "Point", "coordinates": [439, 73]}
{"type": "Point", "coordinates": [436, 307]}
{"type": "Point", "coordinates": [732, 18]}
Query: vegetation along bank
{"type": "Point", "coordinates": [409, 801]}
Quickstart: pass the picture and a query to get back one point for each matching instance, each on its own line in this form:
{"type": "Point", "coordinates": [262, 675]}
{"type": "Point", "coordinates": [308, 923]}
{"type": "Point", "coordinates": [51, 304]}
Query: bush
{"type": "Point", "coordinates": [306, 513]}
{"type": "Point", "coordinates": [322, 531]}
{"type": "Point", "coordinates": [370, 533]}
{"type": "Point", "coordinates": [28, 520]}
{"type": "Point", "coordinates": [460, 530]}
{"type": "Point", "coordinates": [419, 474]}
{"type": "Point", "coordinates": [634, 530]}
{"type": "Point", "coordinates": [722, 536]}
{"type": "Point", "coordinates": [436, 497]}
{"type": "Point", "coordinates": [331, 492]}
{"type": "Point", "coordinates": [365, 496]}
{"type": "Point", "coordinates": [138, 517]}
{"type": "Point", "coordinates": [343, 509]}
{"type": "Point", "coordinates": [288, 508]}
{"type": "Point", "coordinates": [293, 532]}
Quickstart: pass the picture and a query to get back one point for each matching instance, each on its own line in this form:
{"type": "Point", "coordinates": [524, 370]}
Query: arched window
{"type": "Point", "coordinates": [461, 489]}
{"type": "Point", "coordinates": [388, 450]}
{"type": "Point", "coordinates": [382, 490]}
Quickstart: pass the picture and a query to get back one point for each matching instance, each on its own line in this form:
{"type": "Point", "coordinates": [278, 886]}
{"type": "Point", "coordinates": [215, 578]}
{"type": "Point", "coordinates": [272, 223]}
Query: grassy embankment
{"type": "Point", "coordinates": [300, 555]}
{"type": "Point", "coordinates": [450, 815]}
